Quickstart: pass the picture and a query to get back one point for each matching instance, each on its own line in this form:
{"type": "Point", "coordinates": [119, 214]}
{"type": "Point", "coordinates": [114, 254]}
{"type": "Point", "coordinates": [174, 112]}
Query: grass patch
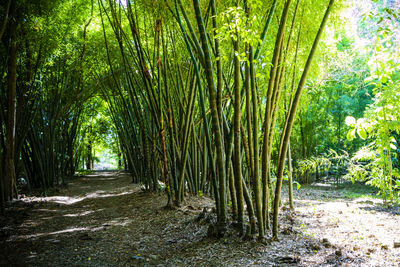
{"type": "Point", "coordinates": [358, 190]}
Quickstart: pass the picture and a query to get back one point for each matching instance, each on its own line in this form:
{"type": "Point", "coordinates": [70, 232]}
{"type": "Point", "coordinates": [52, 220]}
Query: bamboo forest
{"type": "Point", "coordinates": [200, 133]}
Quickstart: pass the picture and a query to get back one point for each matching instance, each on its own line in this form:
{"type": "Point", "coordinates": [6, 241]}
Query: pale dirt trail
{"type": "Point", "coordinates": [104, 220]}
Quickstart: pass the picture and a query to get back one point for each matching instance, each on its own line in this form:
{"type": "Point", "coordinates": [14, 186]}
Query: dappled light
{"type": "Point", "coordinates": [200, 133]}
{"type": "Point", "coordinates": [128, 216]}
{"type": "Point", "coordinates": [73, 200]}
{"type": "Point", "coordinates": [357, 228]}
{"type": "Point", "coordinates": [36, 235]}
{"type": "Point", "coordinates": [80, 214]}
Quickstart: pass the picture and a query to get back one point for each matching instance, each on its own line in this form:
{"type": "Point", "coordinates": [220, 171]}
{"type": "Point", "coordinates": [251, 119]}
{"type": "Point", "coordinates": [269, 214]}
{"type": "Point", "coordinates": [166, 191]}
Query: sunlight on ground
{"type": "Point", "coordinates": [357, 225]}
{"type": "Point", "coordinates": [120, 222]}
{"type": "Point", "coordinates": [81, 213]}
{"type": "Point", "coordinates": [69, 230]}
{"type": "Point", "coordinates": [116, 222]}
{"type": "Point", "coordinates": [72, 200]}
{"type": "Point", "coordinates": [322, 185]}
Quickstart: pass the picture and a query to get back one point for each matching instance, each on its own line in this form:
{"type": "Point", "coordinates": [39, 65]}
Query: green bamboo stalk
{"type": "Point", "coordinates": [256, 175]}
{"type": "Point", "coordinates": [268, 114]}
{"type": "Point", "coordinates": [237, 139]}
{"type": "Point", "coordinates": [290, 119]}
{"type": "Point", "coordinates": [217, 132]}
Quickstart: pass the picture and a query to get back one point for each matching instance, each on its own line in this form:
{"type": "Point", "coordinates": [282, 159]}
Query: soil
{"type": "Point", "coordinates": [103, 219]}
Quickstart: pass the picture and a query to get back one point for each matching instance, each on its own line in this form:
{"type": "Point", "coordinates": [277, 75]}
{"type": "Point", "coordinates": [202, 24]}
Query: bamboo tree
{"type": "Point", "coordinates": [219, 63]}
{"type": "Point", "coordinates": [10, 175]}
{"type": "Point", "coordinates": [290, 169]}
{"type": "Point", "coordinates": [217, 132]}
{"type": "Point", "coordinates": [266, 150]}
{"type": "Point", "coordinates": [290, 119]}
{"type": "Point", "coordinates": [256, 176]}
{"type": "Point", "coordinates": [237, 138]}
{"type": "Point", "coordinates": [163, 128]}
{"type": "Point", "coordinates": [203, 112]}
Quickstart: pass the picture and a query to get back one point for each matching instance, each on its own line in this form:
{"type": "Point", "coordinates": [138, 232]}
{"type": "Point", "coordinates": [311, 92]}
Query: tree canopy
{"type": "Point", "coordinates": [228, 99]}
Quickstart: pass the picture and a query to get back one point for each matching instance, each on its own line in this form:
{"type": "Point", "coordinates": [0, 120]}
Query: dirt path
{"type": "Point", "coordinates": [104, 220]}
{"type": "Point", "coordinates": [363, 227]}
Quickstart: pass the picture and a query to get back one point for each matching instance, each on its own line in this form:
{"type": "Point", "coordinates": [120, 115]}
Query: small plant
{"type": "Point", "coordinates": [326, 161]}
{"type": "Point", "coordinates": [335, 220]}
{"type": "Point", "coordinates": [359, 237]}
{"type": "Point", "coordinates": [84, 172]}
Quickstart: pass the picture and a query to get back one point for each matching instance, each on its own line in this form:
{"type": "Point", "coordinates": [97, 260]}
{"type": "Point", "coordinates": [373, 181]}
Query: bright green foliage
{"type": "Point", "coordinates": [320, 125]}
{"type": "Point", "coordinates": [381, 120]}
{"type": "Point", "coordinates": [97, 138]}
{"type": "Point", "coordinates": [56, 58]}
{"type": "Point", "coordinates": [203, 96]}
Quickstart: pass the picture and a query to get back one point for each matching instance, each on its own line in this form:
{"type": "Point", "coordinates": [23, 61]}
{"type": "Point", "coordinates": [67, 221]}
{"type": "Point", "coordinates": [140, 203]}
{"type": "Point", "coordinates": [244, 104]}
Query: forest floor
{"type": "Point", "coordinates": [103, 219]}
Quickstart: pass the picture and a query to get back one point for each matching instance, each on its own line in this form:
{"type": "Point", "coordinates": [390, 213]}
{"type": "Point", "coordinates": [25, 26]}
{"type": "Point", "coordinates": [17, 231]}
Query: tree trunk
{"type": "Point", "coordinates": [266, 150]}
{"type": "Point", "coordinates": [289, 158]}
{"type": "Point", "coordinates": [89, 157]}
{"type": "Point", "coordinates": [290, 119]}
{"type": "Point", "coordinates": [233, 193]}
{"type": "Point", "coordinates": [217, 131]}
{"type": "Point", "coordinates": [9, 175]}
{"type": "Point", "coordinates": [237, 143]}
{"type": "Point", "coordinates": [256, 175]}
{"type": "Point", "coordinates": [119, 161]}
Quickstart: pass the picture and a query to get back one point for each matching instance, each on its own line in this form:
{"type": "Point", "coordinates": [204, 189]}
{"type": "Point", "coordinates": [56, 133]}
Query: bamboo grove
{"type": "Point", "coordinates": [202, 94]}
{"type": "Point", "coordinates": [189, 108]}
{"type": "Point", "coordinates": [42, 91]}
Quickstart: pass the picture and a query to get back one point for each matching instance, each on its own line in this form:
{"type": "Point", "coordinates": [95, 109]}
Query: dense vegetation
{"type": "Point", "coordinates": [223, 98]}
